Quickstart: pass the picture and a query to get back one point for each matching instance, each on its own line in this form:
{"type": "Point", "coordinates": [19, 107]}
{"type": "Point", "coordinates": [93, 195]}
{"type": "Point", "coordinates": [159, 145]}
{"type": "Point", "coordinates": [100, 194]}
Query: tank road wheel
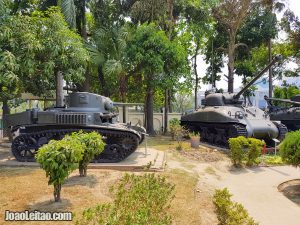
{"type": "Point", "coordinates": [129, 143]}
{"type": "Point", "coordinates": [204, 134]}
{"type": "Point", "coordinates": [220, 136]}
{"type": "Point", "coordinates": [111, 154]}
{"type": "Point", "coordinates": [24, 148]}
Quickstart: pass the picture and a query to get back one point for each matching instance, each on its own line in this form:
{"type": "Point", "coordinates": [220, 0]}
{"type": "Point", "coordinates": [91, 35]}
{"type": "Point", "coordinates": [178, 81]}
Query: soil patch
{"type": "Point", "coordinates": [203, 155]}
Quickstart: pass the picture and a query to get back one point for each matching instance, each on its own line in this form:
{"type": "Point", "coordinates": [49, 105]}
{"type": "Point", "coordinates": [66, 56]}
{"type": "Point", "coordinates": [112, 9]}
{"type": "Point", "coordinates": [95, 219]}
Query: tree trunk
{"type": "Point", "coordinates": [231, 50]}
{"type": "Point", "coordinates": [57, 190]}
{"type": "Point", "coordinates": [101, 77]}
{"type": "Point", "coordinates": [166, 112]}
{"type": "Point", "coordinates": [59, 89]}
{"type": "Point", "coordinates": [87, 81]}
{"type": "Point", "coordinates": [149, 111]}
{"type": "Point", "coordinates": [170, 101]}
{"type": "Point", "coordinates": [83, 20]}
{"type": "Point", "coordinates": [196, 73]}
{"type": "Point", "coordinates": [270, 69]}
{"type": "Point", "coordinates": [5, 111]}
{"type": "Point", "coordinates": [82, 170]}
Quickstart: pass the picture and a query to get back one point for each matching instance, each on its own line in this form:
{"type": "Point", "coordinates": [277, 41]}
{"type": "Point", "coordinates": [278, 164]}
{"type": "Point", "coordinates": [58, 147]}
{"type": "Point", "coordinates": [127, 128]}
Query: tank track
{"type": "Point", "coordinates": [282, 130]}
{"type": "Point", "coordinates": [218, 134]}
{"type": "Point", "coordinates": [119, 144]}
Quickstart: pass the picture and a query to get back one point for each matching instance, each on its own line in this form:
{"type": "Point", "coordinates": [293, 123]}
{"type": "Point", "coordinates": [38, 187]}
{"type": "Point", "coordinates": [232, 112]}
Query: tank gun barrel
{"type": "Point", "coordinates": [281, 100]}
{"type": "Point", "coordinates": [275, 59]}
{"type": "Point", "coordinates": [127, 104]}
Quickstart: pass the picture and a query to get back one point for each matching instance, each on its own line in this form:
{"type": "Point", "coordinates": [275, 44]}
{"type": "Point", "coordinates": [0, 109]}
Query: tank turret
{"type": "Point", "coordinates": [83, 111]}
{"type": "Point", "coordinates": [224, 116]}
{"type": "Point", "coordinates": [289, 116]}
{"type": "Point", "coordinates": [220, 99]}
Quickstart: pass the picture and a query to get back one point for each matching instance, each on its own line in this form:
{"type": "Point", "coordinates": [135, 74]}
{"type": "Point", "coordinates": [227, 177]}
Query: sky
{"type": "Point", "coordinates": [294, 5]}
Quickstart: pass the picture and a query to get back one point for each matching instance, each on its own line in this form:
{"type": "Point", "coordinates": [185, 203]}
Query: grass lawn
{"type": "Point", "coordinates": [26, 188]}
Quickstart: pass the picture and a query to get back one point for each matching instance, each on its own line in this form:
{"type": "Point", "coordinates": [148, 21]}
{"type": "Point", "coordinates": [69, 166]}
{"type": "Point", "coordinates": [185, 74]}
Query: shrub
{"type": "Point", "coordinates": [242, 148]}
{"type": "Point", "coordinates": [174, 125]}
{"type": "Point", "coordinates": [177, 132]}
{"type": "Point", "coordinates": [92, 145]}
{"type": "Point", "coordinates": [59, 159]}
{"type": "Point", "coordinates": [254, 150]}
{"type": "Point", "coordinates": [238, 147]}
{"type": "Point", "coordinates": [290, 148]}
{"type": "Point", "coordinates": [138, 200]}
{"type": "Point", "coordinates": [228, 212]}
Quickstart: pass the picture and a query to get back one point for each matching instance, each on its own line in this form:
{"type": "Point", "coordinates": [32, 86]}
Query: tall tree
{"type": "Point", "coordinates": [272, 5]}
{"type": "Point", "coordinates": [197, 28]}
{"type": "Point", "coordinates": [231, 14]}
{"type": "Point", "coordinates": [159, 60]}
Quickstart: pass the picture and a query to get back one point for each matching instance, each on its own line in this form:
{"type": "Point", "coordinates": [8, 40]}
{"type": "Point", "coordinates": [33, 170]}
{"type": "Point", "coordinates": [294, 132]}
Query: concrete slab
{"type": "Point", "coordinates": [150, 160]}
{"type": "Point", "coordinates": [256, 189]}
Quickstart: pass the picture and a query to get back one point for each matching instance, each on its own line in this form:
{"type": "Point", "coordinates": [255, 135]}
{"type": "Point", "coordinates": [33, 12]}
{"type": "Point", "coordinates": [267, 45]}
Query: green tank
{"type": "Point", "coordinates": [83, 111]}
{"type": "Point", "coordinates": [289, 116]}
{"type": "Point", "coordinates": [224, 116]}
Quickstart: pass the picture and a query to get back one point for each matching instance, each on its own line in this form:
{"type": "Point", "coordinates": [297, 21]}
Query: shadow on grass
{"type": "Point", "coordinates": [89, 181]}
{"type": "Point", "coordinates": [51, 205]}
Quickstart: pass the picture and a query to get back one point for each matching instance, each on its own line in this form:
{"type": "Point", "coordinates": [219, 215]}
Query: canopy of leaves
{"type": "Point", "coordinates": [59, 159]}
{"type": "Point", "coordinates": [160, 60]}
{"type": "Point", "coordinates": [34, 48]}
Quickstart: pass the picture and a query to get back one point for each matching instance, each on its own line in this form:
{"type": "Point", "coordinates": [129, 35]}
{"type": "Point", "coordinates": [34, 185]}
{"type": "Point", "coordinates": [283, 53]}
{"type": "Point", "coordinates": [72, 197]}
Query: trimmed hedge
{"type": "Point", "coordinates": [229, 212]}
{"type": "Point", "coordinates": [290, 148]}
{"type": "Point", "coordinates": [245, 149]}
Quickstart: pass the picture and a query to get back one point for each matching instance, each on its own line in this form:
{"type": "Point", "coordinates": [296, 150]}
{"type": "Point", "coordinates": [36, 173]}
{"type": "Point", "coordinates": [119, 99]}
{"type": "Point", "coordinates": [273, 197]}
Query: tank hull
{"type": "Point", "coordinates": [290, 117]}
{"type": "Point", "coordinates": [85, 111]}
{"type": "Point", "coordinates": [219, 123]}
{"type": "Point", "coordinates": [120, 141]}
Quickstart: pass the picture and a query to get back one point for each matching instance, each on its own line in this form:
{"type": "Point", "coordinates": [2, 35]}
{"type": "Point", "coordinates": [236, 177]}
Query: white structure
{"type": "Point", "coordinates": [139, 118]}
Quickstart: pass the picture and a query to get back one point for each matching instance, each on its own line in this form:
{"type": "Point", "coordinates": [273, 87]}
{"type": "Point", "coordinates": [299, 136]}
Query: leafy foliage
{"type": "Point", "coordinates": [238, 147]}
{"type": "Point", "coordinates": [59, 159]}
{"type": "Point", "coordinates": [173, 124]}
{"type": "Point", "coordinates": [34, 48]}
{"type": "Point", "coordinates": [254, 150]}
{"type": "Point", "coordinates": [242, 148]}
{"type": "Point", "coordinates": [138, 200]}
{"type": "Point", "coordinates": [290, 148]}
{"type": "Point", "coordinates": [228, 212]}
{"type": "Point", "coordinates": [92, 144]}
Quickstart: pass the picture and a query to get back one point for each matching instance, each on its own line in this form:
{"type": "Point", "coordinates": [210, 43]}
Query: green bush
{"type": "Point", "coordinates": [92, 145]}
{"type": "Point", "coordinates": [238, 148]}
{"type": "Point", "coordinates": [245, 149]}
{"type": "Point", "coordinates": [254, 150]}
{"type": "Point", "coordinates": [59, 159]}
{"type": "Point", "coordinates": [228, 212]}
{"type": "Point", "coordinates": [272, 160]}
{"type": "Point", "coordinates": [290, 148]}
{"type": "Point", "coordinates": [138, 200]}
{"type": "Point", "coordinates": [174, 125]}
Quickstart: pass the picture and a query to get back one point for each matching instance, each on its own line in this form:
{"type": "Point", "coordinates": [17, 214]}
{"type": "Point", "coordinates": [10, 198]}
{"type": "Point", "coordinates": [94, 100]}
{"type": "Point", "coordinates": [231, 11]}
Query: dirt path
{"type": "Point", "coordinates": [255, 188]}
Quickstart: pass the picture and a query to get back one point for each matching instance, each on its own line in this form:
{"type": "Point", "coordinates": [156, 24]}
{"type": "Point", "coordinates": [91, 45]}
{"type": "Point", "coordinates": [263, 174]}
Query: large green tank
{"type": "Point", "coordinates": [289, 116]}
{"type": "Point", "coordinates": [224, 116]}
{"type": "Point", "coordinates": [83, 111]}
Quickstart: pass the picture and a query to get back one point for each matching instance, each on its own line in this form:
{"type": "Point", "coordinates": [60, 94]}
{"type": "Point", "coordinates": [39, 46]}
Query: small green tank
{"type": "Point", "coordinates": [83, 111]}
